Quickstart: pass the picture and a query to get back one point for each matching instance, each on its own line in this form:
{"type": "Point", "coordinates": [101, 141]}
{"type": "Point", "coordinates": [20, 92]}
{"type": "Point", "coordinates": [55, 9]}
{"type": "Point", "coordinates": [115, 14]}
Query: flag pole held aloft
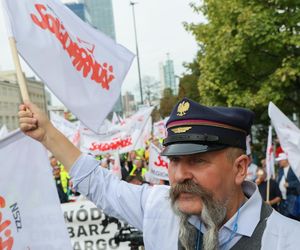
{"type": "Point", "coordinates": [20, 75]}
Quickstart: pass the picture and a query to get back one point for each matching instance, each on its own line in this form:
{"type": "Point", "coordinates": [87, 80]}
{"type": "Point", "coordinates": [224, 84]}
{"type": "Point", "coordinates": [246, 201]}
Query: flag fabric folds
{"type": "Point", "coordinates": [121, 138]}
{"type": "Point", "coordinates": [289, 136]}
{"type": "Point", "coordinates": [83, 67]}
{"type": "Point", "coordinates": [30, 212]}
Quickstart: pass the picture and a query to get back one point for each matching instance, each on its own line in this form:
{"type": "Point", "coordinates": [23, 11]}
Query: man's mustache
{"type": "Point", "coordinates": [190, 187]}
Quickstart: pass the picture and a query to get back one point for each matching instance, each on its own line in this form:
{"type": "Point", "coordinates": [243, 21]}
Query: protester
{"type": "Point", "coordinates": [208, 206]}
{"type": "Point", "coordinates": [274, 192]}
{"type": "Point", "coordinates": [135, 179]}
{"type": "Point", "coordinates": [61, 178]}
{"type": "Point", "coordinates": [138, 167]}
{"type": "Point", "coordinates": [63, 197]}
{"type": "Point", "coordinates": [289, 186]}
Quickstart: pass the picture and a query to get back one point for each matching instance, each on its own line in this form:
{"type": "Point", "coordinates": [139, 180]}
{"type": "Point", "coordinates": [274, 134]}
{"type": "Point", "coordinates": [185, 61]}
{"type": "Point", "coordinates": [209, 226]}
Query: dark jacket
{"type": "Point", "coordinates": [292, 180]}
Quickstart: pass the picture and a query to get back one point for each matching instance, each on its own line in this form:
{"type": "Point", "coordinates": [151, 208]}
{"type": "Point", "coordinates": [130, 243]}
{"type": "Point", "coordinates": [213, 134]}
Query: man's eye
{"type": "Point", "coordinates": [174, 159]}
{"type": "Point", "coordinates": [196, 160]}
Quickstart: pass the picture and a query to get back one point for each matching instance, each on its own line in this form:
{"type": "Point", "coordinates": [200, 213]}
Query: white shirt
{"type": "Point", "coordinates": [148, 209]}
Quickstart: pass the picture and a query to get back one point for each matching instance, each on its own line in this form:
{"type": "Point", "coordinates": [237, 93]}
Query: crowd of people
{"type": "Point", "coordinates": [134, 170]}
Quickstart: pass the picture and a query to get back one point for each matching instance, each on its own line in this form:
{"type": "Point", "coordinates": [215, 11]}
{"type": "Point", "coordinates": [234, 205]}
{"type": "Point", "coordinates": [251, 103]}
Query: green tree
{"type": "Point", "coordinates": [250, 54]}
{"type": "Point", "coordinates": [188, 82]}
{"type": "Point", "coordinates": [167, 102]}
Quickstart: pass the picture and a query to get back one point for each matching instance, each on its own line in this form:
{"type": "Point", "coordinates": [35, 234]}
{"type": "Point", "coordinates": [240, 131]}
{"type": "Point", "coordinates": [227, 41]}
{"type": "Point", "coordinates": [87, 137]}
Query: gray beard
{"type": "Point", "coordinates": [212, 215]}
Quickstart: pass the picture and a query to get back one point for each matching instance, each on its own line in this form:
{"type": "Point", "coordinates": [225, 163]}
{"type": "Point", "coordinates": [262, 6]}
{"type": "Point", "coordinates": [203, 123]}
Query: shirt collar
{"type": "Point", "coordinates": [249, 214]}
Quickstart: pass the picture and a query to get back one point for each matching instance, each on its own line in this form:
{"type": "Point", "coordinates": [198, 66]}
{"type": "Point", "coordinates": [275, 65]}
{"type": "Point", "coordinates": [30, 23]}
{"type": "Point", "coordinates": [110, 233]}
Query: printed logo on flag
{"type": "Point", "coordinates": [6, 238]}
{"type": "Point", "coordinates": [79, 51]}
{"type": "Point", "coordinates": [115, 144]}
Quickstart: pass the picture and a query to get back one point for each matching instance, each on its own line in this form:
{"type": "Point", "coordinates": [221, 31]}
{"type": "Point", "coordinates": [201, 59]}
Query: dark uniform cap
{"type": "Point", "coordinates": [193, 128]}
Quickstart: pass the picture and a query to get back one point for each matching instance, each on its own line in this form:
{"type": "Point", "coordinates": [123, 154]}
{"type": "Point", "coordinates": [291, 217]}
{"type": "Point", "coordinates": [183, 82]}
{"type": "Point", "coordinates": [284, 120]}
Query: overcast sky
{"type": "Point", "coordinates": [159, 29]}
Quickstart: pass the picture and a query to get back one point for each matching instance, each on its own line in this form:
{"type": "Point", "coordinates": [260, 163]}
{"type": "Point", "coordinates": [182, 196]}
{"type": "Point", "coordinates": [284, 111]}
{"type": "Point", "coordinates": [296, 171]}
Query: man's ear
{"type": "Point", "coordinates": [241, 166]}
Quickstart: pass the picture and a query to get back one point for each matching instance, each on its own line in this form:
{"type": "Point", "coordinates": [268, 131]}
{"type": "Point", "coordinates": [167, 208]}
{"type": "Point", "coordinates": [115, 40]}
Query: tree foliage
{"type": "Point", "coordinates": [188, 82]}
{"type": "Point", "coordinates": [167, 102]}
{"type": "Point", "coordinates": [250, 54]}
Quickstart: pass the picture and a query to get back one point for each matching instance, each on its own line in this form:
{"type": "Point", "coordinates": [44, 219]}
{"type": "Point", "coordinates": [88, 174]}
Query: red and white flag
{"type": "Point", "coordinates": [83, 67]}
{"type": "Point", "coordinates": [270, 159]}
{"type": "Point", "coordinates": [158, 165]}
{"type": "Point", "coordinates": [30, 211]}
{"type": "Point", "coordinates": [289, 136]}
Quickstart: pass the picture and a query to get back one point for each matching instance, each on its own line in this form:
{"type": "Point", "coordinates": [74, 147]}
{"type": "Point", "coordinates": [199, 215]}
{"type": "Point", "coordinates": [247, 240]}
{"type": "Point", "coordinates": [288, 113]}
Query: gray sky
{"type": "Point", "coordinates": [159, 29]}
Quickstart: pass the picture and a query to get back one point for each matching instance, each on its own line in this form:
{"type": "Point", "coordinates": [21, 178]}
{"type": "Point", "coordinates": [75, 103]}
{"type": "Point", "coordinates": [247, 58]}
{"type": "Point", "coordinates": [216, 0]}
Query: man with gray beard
{"type": "Point", "coordinates": [209, 205]}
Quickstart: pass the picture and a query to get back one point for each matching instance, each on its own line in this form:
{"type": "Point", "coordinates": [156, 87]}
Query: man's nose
{"type": "Point", "coordinates": [182, 172]}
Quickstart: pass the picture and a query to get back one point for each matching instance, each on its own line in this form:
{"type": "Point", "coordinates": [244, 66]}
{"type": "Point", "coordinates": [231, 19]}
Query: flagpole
{"type": "Point", "coordinates": [268, 190]}
{"type": "Point", "coordinates": [20, 75]}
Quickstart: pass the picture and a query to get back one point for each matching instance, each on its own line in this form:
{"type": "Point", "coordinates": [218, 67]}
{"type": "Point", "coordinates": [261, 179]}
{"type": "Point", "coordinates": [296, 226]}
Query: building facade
{"type": "Point", "coordinates": [129, 105]}
{"type": "Point", "coordinates": [80, 9]}
{"type": "Point", "coordinates": [167, 76]}
{"type": "Point", "coordinates": [10, 97]}
{"type": "Point", "coordinates": [102, 16]}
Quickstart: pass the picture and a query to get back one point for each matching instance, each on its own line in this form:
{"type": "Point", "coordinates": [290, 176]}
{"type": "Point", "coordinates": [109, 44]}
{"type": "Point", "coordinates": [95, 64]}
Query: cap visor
{"type": "Point", "coordinates": [189, 149]}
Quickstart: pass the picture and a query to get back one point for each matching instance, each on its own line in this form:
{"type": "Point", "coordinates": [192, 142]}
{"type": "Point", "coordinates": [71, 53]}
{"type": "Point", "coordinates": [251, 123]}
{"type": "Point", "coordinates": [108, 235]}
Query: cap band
{"type": "Point", "coordinates": [203, 123]}
{"type": "Point", "coordinates": [204, 139]}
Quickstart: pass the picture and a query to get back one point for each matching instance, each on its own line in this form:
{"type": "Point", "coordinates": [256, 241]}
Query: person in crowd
{"type": "Point", "coordinates": [208, 205]}
{"type": "Point", "coordinates": [289, 186]}
{"type": "Point", "coordinates": [138, 167]}
{"type": "Point", "coordinates": [63, 197]}
{"type": "Point", "coordinates": [274, 196]}
{"type": "Point", "coordinates": [64, 175]}
{"type": "Point", "coordinates": [124, 167]}
{"type": "Point", "coordinates": [135, 179]}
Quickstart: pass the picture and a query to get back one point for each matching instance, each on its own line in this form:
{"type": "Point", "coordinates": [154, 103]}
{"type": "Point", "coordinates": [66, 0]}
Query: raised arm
{"type": "Point", "coordinates": [35, 123]}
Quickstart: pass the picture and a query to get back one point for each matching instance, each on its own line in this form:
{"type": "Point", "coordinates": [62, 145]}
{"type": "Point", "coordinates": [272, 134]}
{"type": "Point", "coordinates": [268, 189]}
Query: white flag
{"type": "Point", "coordinates": [159, 128]}
{"type": "Point", "coordinates": [70, 129]}
{"type": "Point", "coordinates": [30, 212]}
{"type": "Point", "coordinates": [270, 156]}
{"type": "Point", "coordinates": [82, 66]}
{"type": "Point", "coordinates": [3, 131]}
{"type": "Point", "coordinates": [116, 164]}
{"type": "Point", "coordinates": [122, 138]}
{"type": "Point", "coordinates": [289, 136]}
{"type": "Point", "coordinates": [158, 165]}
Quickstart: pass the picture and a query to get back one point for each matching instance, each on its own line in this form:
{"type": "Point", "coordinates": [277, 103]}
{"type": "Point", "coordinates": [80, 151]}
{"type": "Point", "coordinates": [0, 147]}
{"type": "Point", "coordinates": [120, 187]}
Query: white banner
{"type": "Point", "coordinates": [30, 212]}
{"type": "Point", "coordinates": [159, 128]}
{"type": "Point", "coordinates": [121, 138]}
{"type": "Point", "coordinates": [90, 228]}
{"type": "Point", "coordinates": [115, 166]}
{"type": "Point", "coordinates": [289, 136]}
{"type": "Point", "coordinates": [82, 66]}
{"type": "Point", "coordinates": [69, 129]}
{"type": "Point", "coordinates": [158, 165]}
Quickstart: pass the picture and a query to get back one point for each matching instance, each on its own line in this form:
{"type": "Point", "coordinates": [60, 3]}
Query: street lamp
{"type": "Point", "coordinates": [137, 52]}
